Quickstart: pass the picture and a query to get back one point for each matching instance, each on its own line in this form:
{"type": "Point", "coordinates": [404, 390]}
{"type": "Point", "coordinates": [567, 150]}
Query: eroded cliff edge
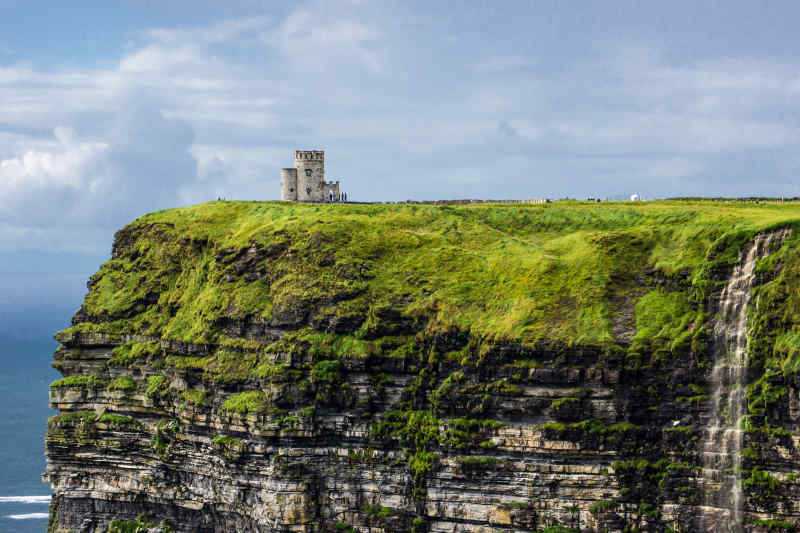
{"type": "Point", "coordinates": [249, 366]}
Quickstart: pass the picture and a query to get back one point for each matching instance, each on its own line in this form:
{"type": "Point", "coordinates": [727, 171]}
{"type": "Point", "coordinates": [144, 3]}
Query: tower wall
{"type": "Point", "coordinates": [289, 184]}
{"type": "Point", "coordinates": [310, 188]}
{"type": "Point", "coordinates": [332, 191]}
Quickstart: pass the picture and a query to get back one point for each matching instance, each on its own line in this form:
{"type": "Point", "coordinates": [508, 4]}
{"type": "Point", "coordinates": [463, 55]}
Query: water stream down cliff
{"type": "Point", "coordinates": [722, 444]}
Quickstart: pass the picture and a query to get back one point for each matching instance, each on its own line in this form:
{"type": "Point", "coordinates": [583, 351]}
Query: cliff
{"type": "Point", "coordinates": [253, 366]}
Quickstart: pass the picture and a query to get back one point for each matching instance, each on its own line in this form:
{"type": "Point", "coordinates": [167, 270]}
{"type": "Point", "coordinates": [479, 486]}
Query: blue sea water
{"type": "Point", "coordinates": [25, 374]}
{"type": "Point", "coordinates": [39, 292]}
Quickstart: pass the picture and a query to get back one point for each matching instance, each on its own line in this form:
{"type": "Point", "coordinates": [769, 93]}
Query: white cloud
{"type": "Point", "coordinates": [319, 38]}
{"type": "Point", "coordinates": [245, 29]}
{"type": "Point", "coordinates": [38, 172]}
{"type": "Point", "coordinates": [159, 58]}
{"type": "Point", "coordinates": [140, 167]}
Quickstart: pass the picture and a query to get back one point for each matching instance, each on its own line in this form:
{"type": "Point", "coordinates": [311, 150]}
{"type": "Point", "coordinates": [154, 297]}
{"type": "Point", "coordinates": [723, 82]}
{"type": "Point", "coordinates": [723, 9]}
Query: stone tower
{"type": "Point", "coordinates": [289, 184]}
{"type": "Point", "coordinates": [306, 181]}
{"type": "Point", "coordinates": [310, 167]}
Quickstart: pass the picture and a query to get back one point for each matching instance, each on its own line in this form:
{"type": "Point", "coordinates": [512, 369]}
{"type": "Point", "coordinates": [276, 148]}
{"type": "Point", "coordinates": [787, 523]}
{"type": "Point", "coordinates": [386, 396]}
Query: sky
{"type": "Point", "coordinates": [110, 110]}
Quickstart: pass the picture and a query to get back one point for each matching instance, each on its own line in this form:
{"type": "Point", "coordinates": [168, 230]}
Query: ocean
{"type": "Point", "coordinates": [39, 293]}
{"type": "Point", "coordinates": [25, 374]}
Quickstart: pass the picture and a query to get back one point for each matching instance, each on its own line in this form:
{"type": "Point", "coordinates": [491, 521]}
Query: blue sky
{"type": "Point", "coordinates": [109, 110]}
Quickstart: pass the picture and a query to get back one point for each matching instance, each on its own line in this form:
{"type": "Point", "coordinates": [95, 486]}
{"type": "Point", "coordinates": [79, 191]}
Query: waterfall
{"type": "Point", "coordinates": [722, 443]}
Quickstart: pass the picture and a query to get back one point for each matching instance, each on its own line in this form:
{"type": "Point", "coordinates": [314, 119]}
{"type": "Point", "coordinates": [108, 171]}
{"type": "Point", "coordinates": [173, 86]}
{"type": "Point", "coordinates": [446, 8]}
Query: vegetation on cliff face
{"type": "Point", "coordinates": [435, 328]}
{"type": "Point", "coordinates": [528, 274]}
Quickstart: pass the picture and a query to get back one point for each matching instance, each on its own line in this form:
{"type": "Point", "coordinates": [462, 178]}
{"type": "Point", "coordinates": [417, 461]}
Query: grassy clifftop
{"type": "Point", "coordinates": [606, 275]}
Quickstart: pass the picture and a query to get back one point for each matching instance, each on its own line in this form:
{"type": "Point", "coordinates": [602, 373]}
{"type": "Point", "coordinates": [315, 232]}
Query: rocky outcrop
{"type": "Point", "coordinates": [324, 415]}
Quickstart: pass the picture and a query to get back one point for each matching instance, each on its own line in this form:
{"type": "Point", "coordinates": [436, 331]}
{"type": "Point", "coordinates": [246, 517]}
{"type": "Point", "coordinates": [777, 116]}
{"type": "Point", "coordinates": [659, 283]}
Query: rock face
{"type": "Point", "coordinates": [243, 367]}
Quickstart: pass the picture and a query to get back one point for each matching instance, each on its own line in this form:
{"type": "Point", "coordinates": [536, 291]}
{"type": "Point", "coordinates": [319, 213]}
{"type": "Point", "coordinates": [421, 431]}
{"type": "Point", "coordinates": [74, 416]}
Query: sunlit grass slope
{"type": "Point", "coordinates": [558, 274]}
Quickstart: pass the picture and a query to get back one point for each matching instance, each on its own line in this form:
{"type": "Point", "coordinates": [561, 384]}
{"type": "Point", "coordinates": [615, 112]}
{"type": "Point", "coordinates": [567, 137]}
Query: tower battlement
{"type": "Point", "coordinates": [306, 181]}
{"type": "Point", "coordinates": [309, 155]}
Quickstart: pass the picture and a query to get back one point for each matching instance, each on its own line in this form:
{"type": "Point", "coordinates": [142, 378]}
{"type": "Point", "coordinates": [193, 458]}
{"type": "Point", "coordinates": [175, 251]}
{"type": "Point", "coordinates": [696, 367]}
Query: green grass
{"type": "Point", "coordinates": [119, 421]}
{"type": "Point", "coordinates": [270, 370]}
{"type": "Point", "coordinates": [137, 526]}
{"type": "Point", "coordinates": [226, 439]}
{"type": "Point", "coordinates": [602, 506]}
{"type": "Point", "coordinates": [226, 366]}
{"type": "Point", "coordinates": [523, 272]}
{"type": "Point", "coordinates": [228, 444]}
{"type": "Point", "coordinates": [555, 404]}
{"type": "Point", "coordinates": [130, 352]}
{"type": "Point", "coordinates": [774, 525]}
{"type": "Point", "coordinates": [663, 321]}
{"type": "Point", "coordinates": [775, 343]}
{"type": "Point", "coordinates": [157, 386]}
{"type": "Point", "coordinates": [246, 402]}
{"type": "Point", "coordinates": [79, 382]}
{"type": "Point", "coordinates": [195, 397]}
{"type": "Point", "coordinates": [123, 383]}
{"type": "Point", "coordinates": [472, 460]}
{"type": "Point", "coordinates": [377, 511]}
{"type": "Point", "coordinates": [72, 419]}
{"type": "Point", "coordinates": [590, 430]}
{"type": "Point", "coordinates": [327, 372]}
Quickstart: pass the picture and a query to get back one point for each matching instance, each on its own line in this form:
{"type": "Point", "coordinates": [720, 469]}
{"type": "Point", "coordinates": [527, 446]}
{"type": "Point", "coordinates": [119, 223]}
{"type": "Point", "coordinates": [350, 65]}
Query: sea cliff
{"type": "Point", "coordinates": [256, 366]}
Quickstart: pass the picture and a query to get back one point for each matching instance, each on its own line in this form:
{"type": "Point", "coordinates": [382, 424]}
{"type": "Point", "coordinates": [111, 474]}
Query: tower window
{"type": "Point", "coordinates": [308, 172]}
{"type": "Point", "coordinates": [291, 189]}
